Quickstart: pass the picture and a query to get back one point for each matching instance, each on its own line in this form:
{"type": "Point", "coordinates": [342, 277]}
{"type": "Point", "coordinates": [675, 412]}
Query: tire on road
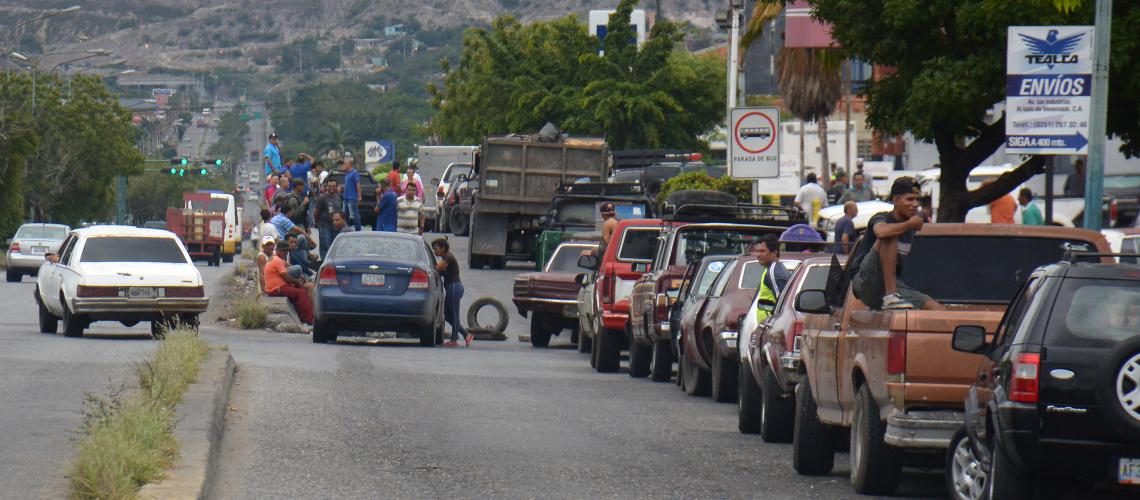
{"type": "Point", "coordinates": [875, 465]}
{"type": "Point", "coordinates": [540, 330]}
{"type": "Point", "coordinates": [459, 223]}
{"type": "Point", "coordinates": [723, 378]}
{"type": "Point", "coordinates": [640, 357]}
{"type": "Point", "coordinates": [1005, 481]}
{"type": "Point", "coordinates": [662, 362]}
{"type": "Point", "coordinates": [427, 335]}
{"type": "Point", "coordinates": [608, 348]}
{"type": "Point", "coordinates": [48, 322]}
{"type": "Point", "coordinates": [747, 402]}
{"type": "Point", "coordinates": [73, 325]}
{"type": "Point", "coordinates": [696, 379]}
{"type": "Point", "coordinates": [585, 343]}
{"type": "Point", "coordinates": [963, 469]}
{"type": "Point", "coordinates": [777, 416]}
{"type": "Point", "coordinates": [473, 315]}
{"type": "Point", "coordinates": [813, 442]}
{"type": "Point", "coordinates": [13, 276]}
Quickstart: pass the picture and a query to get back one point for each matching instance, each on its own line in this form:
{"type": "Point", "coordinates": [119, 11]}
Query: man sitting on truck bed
{"type": "Point", "coordinates": [878, 260]}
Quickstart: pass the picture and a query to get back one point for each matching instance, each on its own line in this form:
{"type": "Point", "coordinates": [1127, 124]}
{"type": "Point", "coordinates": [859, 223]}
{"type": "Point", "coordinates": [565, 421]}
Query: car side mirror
{"type": "Point", "coordinates": [582, 279]}
{"type": "Point", "coordinates": [588, 262]}
{"type": "Point", "coordinates": [640, 267]}
{"type": "Point", "coordinates": [969, 338]}
{"type": "Point", "coordinates": [812, 302]}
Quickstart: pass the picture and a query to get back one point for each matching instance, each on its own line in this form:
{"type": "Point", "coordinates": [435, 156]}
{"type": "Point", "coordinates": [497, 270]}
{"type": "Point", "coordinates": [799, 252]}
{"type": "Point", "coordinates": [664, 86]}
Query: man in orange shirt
{"type": "Point", "coordinates": [1002, 209]}
{"type": "Point", "coordinates": [279, 283]}
{"type": "Point", "coordinates": [394, 177]}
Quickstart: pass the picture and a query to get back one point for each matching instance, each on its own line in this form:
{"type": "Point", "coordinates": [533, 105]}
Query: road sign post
{"type": "Point", "coordinates": [1094, 176]}
{"type": "Point", "coordinates": [754, 142]}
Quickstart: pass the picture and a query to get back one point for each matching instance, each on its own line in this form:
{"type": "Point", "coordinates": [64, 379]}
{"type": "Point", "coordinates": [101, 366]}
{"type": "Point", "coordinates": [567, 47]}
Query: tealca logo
{"type": "Point", "coordinates": [1052, 50]}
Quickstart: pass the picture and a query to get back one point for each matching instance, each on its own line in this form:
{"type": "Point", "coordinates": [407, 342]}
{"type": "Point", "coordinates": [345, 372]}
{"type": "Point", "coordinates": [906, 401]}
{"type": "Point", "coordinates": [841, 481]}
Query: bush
{"type": "Point", "coordinates": [740, 188]}
{"type": "Point", "coordinates": [251, 314]}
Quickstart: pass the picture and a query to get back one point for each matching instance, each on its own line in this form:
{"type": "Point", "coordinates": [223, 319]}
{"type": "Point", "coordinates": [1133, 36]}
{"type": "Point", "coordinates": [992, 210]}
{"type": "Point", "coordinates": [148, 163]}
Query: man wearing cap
{"type": "Point", "coordinates": [272, 156]}
{"type": "Point", "coordinates": [878, 260]}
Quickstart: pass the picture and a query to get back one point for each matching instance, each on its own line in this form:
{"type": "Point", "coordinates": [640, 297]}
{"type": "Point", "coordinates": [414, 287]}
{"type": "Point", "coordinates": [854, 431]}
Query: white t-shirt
{"type": "Point", "coordinates": [808, 193]}
{"type": "Point", "coordinates": [408, 215]}
{"type": "Point", "coordinates": [267, 229]}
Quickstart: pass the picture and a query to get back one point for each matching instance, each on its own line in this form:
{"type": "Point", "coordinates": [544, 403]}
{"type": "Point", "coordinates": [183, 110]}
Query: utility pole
{"type": "Point", "coordinates": [1094, 176]}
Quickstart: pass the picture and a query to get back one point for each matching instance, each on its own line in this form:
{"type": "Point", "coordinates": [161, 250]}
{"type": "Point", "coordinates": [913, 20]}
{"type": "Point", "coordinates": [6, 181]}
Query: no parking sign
{"type": "Point", "coordinates": [754, 143]}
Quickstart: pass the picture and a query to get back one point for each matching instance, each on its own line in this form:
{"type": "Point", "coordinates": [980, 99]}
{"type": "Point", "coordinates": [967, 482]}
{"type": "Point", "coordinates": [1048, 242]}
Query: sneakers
{"type": "Point", "coordinates": [469, 338]}
{"type": "Point", "coordinates": [451, 343]}
{"type": "Point", "coordinates": [894, 301]}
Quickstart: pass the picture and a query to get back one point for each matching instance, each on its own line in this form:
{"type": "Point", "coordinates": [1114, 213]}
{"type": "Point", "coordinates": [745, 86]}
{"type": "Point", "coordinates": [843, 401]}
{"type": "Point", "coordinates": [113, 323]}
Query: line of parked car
{"type": "Point", "coordinates": [1005, 395]}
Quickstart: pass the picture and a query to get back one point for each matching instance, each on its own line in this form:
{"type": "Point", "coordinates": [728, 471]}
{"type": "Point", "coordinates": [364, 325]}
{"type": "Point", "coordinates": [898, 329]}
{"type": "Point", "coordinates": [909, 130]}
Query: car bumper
{"type": "Point", "coordinates": [923, 429]}
{"type": "Point", "coordinates": [25, 262]}
{"type": "Point", "coordinates": [114, 308]}
{"type": "Point", "coordinates": [378, 312]}
{"type": "Point", "coordinates": [566, 308]}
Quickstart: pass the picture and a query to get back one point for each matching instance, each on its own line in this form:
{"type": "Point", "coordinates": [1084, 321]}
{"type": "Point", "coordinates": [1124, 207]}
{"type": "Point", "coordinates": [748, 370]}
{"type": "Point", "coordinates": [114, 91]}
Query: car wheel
{"type": "Point", "coordinates": [427, 336]}
{"type": "Point", "coordinates": [1004, 480]}
{"type": "Point", "coordinates": [965, 476]}
{"type": "Point", "coordinates": [777, 415]}
{"type": "Point", "coordinates": [189, 321]}
{"type": "Point", "coordinates": [875, 465]}
{"type": "Point", "coordinates": [813, 442]}
{"type": "Point", "coordinates": [609, 351]}
{"type": "Point", "coordinates": [696, 378]}
{"type": "Point", "coordinates": [48, 322]}
{"type": "Point", "coordinates": [662, 362]}
{"type": "Point", "coordinates": [459, 223]}
{"type": "Point", "coordinates": [14, 276]}
{"type": "Point", "coordinates": [640, 357]}
{"type": "Point", "coordinates": [321, 331]}
{"type": "Point", "coordinates": [1117, 391]}
{"type": "Point", "coordinates": [439, 333]}
{"type": "Point", "coordinates": [723, 378]}
{"type": "Point", "coordinates": [539, 330]}
{"type": "Point", "coordinates": [73, 325]}
{"type": "Point", "coordinates": [594, 345]}
{"type": "Point", "coordinates": [747, 402]}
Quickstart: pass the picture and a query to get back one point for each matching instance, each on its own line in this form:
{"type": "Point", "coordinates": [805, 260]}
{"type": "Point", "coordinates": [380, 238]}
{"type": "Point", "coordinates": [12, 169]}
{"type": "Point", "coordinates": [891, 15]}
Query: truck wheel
{"type": "Point", "coordinates": [13, 276]}
{"type": "Point", "coordinates": [696, 381]}
{"type": "Point", "coordinates": [723, 379]}
{"type": "Point", "coordinates": [459, 222]}
{"type": "Point", "coordinates": [609, 351]}
{"type": "Point", "coordinates": [48, 322]}
{"type": "Point", "coordinates": [662, 362]}
{"type": "Point", "coordinates": [1005, 481]}
{"type": "Point", "coordinates": [776, 415]}
{"type": "Point", "coordinates": [747, 402]}
{"type": "Point", "coordinates": [539, 330]}
{"type": "Point", "coordinates": [875, 465]}
{"type": "Point", "coordinates": [813, 442]}
{"type": "Point", "coordinates": [640, 356]}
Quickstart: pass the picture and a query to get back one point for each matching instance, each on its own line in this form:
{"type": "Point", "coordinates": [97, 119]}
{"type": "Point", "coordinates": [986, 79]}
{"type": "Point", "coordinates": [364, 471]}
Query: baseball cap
{"type": "Point", "coordinates": [273, 135]}
{"type": "Point", "coordinates": [268, 239]}
{"type": "Point", "coordinates": [905, 185]}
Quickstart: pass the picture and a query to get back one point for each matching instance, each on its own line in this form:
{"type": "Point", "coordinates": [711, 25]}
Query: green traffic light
{"type": "Point", "coordinates": [181, 172]}
{"type": "Point", "coordinates": [173, 171]}
{"type": "Point", "coordinates": [185, 161]}
{"type": "Point", "coordinates": [203, 171]}
{"type": "Point", "coordinates": [218, 162]}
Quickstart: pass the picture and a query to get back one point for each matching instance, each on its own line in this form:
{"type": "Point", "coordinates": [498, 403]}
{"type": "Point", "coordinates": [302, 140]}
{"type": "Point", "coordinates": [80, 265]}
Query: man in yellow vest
{"type": "Point", "coordinates": [774, 278]}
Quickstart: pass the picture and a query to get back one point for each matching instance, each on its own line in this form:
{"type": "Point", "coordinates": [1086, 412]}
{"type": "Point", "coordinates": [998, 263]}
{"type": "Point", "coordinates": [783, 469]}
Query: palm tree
{"type": "Point", "coordinates": [334, 137]}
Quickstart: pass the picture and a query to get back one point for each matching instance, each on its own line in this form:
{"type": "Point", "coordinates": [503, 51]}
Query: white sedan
{"type": "Point", "coordinates": [119, 273]}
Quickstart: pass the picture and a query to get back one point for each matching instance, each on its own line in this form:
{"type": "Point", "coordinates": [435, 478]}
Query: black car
{"type": "Point", "coordinates": [1057, 394]}
{"type": "Point", "coordinates": [368, 187]}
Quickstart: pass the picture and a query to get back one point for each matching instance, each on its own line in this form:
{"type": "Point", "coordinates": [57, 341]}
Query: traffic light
{"type": "Point", "coordinates": [203, 171]}
{"type": "Point", "coordinates": [181, 162]}
{"type": "Point", "coordinates": [217, 163]}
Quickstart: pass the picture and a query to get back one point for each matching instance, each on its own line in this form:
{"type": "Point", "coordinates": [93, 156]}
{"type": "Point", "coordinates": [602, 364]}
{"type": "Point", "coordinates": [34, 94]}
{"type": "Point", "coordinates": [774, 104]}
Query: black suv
{"type": "Point", "coordinates": [1057, 394]}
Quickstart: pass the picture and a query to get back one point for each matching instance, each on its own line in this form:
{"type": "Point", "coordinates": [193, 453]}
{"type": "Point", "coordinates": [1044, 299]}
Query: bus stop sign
{"type": "Point", "coordinates": [754, 143]}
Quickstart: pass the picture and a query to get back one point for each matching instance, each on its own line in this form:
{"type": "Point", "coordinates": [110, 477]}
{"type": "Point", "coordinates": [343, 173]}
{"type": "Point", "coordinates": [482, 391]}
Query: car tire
{"type": "Point", "coordinates": [813, 442]}
{"type": "Point", "coordinates": [539, 330]}
{"type": "Point", "coordinates": [459, 223]}
{"type": "Point", "coordinates": [497, 262]}
{"type": "Point", "coordinates": [594, 344]}
{"type": "Point", "coordinates": [320, 332]}
{"type": "Point", "coordinates": [439, 333]}
{"type": "Point", "coordinates": [875, 465]}
{"type": "Point", "coordinates": [473, 314]}
{"type": "Point", "coordinates": [965, 476]}
{"type": "Point", "coordinates": [723, 378]}
{"type": "Point", "coordinates": [609, 351]}
{"type": "Point", "coordinates": [696, 381]}
{"type": "Point", "coordinates": [777, 416]}
{"type": "Point", "coordinates": [13, 276]}
{"type": "Point", "coordinates": [73, 325]}
{"type": "Point", "coordinates": [1124, 355]}
{"type": "Point", "coordinates": [48, 322]}
{"type": "Point", "coordinates": [747, 402]}
{"type": "Point", "coordinates": [640, 357]}
{"type": "Point", "coordinates": [662, 362]}
{"type": "Point", "coordinates": [427, 336]}
{"type": "Point", "coordinates": [1004, 480]}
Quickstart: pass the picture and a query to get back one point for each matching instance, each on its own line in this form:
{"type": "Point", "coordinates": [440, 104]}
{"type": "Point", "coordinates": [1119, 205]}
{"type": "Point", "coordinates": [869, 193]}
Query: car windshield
{"type": "Point", "coordinates": [375, 246]}
{"type": "Point", "coordinates": [712, 270]}
{"type": "Point", "coordinates": [1095, 313]}
{"type": "Point", "coordinates": [41, 233]}
{"type": "Point", "coordinates": [638, 245]}
{"type": "Point", "coordinates": [565, 259]}
{"type": "Point", "coordinates": [457, 171]}
{"type": "Point", "coordinates": [132, 249]}
{"type": "Point", "coordinates": [693, 244]}
{"type": "Point", "coordinates": [997, 265]}
{"type": "Point", "coordinates": [1122, 182]}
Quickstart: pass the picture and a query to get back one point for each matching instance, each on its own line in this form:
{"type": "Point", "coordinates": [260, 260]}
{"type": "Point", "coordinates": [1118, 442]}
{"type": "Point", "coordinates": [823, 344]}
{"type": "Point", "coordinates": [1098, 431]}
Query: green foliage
{"type": "Point", "coordinates": [700, 180]}
{"type": "Point", "coordinates": [232, 135]}
{"type": "Point", "coordinates": [515, 78]}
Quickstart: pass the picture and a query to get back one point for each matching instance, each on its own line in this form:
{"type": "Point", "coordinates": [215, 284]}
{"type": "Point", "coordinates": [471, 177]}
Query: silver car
{"type": "Point", "coordinates": [26, 250]}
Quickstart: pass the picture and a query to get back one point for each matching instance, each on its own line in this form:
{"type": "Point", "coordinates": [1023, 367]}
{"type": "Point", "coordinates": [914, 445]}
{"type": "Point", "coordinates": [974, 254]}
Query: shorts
{"type": "Point", "coordinates": [869, 287]}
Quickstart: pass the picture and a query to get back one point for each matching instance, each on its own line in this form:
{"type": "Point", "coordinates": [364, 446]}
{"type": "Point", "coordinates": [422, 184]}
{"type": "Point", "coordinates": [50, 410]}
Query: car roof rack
{"type": "Point", "coordinates": [744, 213]}
{"type": "Point", "coordinates": [1073, 255]}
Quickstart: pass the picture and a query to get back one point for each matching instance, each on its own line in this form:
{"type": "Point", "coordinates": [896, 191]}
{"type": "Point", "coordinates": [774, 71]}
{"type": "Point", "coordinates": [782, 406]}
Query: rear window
{"type": "Point", "coordinates": [1095, 313]}
{"type": "Point", "coordinates": [565, 259]}
{"type": "Point", "coordinates": [457, 171]}
{"type": "Point", "coordinates": [996, 266]}
{"type": "Point", "coordinates": [638, 245]}
{"type": "Point", "coordinates": [41, 233]}
{"type": "Point", "coordinates": [132, 249]}
{"type": "Point", "coordinates": [376, 246]}
{"type": "Point", "coordinates": [694, 244]}
{"type": "Point", "coordinates": [816, 278]}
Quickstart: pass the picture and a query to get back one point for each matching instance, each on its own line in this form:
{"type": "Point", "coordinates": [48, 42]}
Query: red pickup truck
{"type": "Point", "coordinates": [891, 377]}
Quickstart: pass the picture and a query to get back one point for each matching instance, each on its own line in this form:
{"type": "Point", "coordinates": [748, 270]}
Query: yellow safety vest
{"type": "Point", "coordinates": [766, 303]}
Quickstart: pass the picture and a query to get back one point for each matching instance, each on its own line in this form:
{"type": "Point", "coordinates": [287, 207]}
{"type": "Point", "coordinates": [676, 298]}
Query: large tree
{"type": "Point", "coordinates": [948, 60]}
{"type": "Point", "coordinates": [514, 78]}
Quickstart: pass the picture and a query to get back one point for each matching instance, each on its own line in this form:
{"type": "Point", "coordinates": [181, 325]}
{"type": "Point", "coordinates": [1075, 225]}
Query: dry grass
{"type": "Point", "coordinates": [128, 439]}
{"type": "Point", "coordinates": [251, 314]}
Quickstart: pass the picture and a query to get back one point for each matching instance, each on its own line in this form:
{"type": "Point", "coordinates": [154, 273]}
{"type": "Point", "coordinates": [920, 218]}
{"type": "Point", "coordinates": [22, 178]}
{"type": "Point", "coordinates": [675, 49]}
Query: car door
{"type": "Point", "coordinates": [67, 272]}
{"type": "Point", "coordinates": [48, 281]}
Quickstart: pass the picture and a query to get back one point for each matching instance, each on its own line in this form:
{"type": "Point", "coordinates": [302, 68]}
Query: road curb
{"type": "Point", "coordinates": [200, 420]}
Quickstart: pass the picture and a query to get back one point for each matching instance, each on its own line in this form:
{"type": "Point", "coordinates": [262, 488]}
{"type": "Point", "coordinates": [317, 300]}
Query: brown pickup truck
{"type": "Point", "coordinates": [891, 377]}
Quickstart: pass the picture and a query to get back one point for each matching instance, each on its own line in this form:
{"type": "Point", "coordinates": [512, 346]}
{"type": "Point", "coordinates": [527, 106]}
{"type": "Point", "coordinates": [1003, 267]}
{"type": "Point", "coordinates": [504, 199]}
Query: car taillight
{"type": "Point", "coordinates": [662, 310]}
{"type": "Point", "coordinates": [419, 279]}
{"type": "Point", "coordinates": [97, 291]}
{"type": "Point", "coordinates": [327, 276]}
{"type": "Point", "coordinates": [184, 291]}
{"type": "Point", "coordinates": [1025, 370]}
{"type": "Point", "coordinates": [606, 282]}
{"type": "Point", "coordinates": [896, 353]}
{"type": "Point", "coordinates": [15, 247]}
{"type": "Point", "coordinates": [794, 335]}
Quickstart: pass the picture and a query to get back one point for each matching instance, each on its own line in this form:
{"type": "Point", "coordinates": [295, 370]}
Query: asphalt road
{"type": "Point", "coordinates": [501, 419]}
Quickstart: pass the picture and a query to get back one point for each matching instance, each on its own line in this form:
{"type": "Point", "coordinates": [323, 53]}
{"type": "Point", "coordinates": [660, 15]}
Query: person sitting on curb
{"type": "Point", "coordinates": [279, 283]}
{"type": "Point", "coordinates": [878, 260]}
{"type": "Point", "coordinates": [268, 249]}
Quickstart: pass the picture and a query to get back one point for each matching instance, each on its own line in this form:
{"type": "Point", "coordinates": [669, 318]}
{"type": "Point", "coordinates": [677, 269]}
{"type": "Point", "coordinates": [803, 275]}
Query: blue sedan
{"type": "Point", "coordinates": [379, 282]}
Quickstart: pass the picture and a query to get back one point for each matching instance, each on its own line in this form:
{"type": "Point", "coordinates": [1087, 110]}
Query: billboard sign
{"type": "Point", "coordinates": [379, 152]}
{"type": "Point", "coordinates": [1048, 91]}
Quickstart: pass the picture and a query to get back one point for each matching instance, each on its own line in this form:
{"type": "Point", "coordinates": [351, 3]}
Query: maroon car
{"type": "Point", "coordinates": [771, 365]}
{"type": "Point", "coordinates": [708, 329]}
{"type": "Point", "coordinates": [551, 296]}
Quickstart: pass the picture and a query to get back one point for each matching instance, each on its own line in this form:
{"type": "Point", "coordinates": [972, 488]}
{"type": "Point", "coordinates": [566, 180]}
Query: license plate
{"type": "Point", "coordinates": [372, 279]}
{"type": "Point", "coordinates": [39, 250]}
{"type": "Point", "coordinates": [140, 293]}
{"type": "Point", "coordinates": [1129, 471]}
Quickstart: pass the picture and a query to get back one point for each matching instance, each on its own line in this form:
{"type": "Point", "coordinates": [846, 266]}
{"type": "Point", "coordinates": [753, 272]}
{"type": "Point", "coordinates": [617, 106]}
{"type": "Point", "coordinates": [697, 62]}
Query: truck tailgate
{"type": "Point", "coordinates": [936, 374]}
